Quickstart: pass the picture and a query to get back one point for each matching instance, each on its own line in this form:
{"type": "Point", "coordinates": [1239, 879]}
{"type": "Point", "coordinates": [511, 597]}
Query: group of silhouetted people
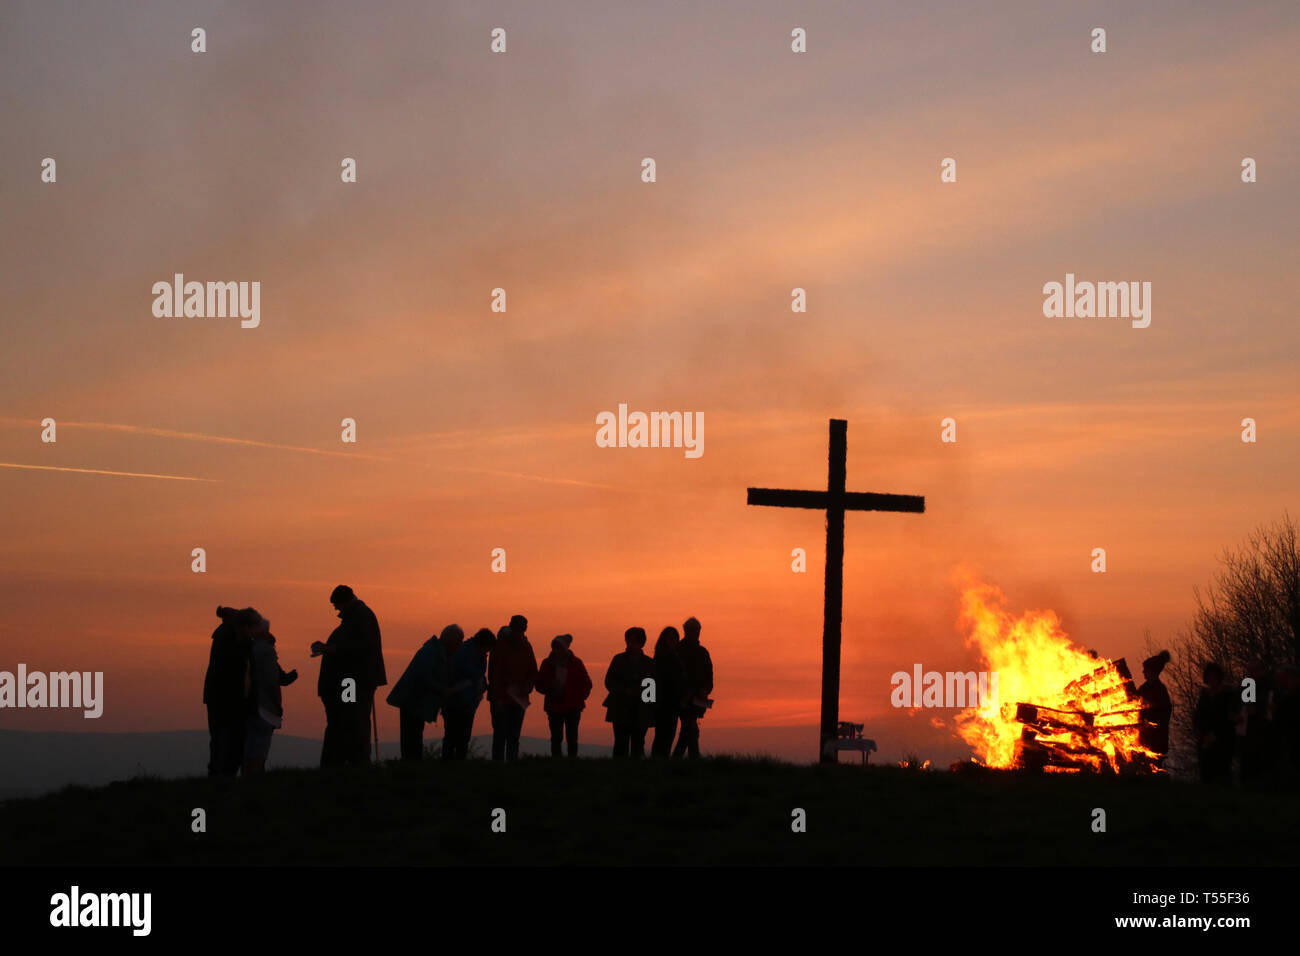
{"type": "Point", "coordinates": [1262, 733]}
{"type": "Point", "coordinates": [447, 679]}
{"type": "Point", "coordinates": [1260, 730]}
{"type": "Point", "coordinates": [668, 691]}
{"type": "Point", "coordinates": [682, 675]}
{"type": "Point", "coordinates": [449, 676]}
{"type": "Point", "coordinates": [241, 688]}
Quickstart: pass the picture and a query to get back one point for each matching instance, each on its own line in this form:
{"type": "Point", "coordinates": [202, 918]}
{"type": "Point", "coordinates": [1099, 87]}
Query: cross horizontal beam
{"type": "Point", "coordinates": [849, 500]}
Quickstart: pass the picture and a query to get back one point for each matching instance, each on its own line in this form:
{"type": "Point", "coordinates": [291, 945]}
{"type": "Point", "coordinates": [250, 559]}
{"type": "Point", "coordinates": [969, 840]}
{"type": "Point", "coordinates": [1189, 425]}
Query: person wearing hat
{"type": "Point", "coordinates": [565, 685]}
{"type": "Point", "coordinates": [1157, 707]}
{"type": "Point", "coordinates": [353, 651]}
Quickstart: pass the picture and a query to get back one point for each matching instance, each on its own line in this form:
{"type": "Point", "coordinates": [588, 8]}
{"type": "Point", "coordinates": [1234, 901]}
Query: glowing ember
{"type": "Point", "coordinates": [1061, 710]}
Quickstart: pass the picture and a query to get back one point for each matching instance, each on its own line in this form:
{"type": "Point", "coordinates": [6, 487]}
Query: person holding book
{"type": "Point", "coordinates": [512, 672]}
{"type": "Point", "coordinates": [698, 684]}
{"type": "Point", "coordinates": [465, 688]}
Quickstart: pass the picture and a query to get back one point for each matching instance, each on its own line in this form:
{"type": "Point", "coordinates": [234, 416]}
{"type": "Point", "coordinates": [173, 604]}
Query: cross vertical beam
{"type": "Point", "coordinates": [836, 476]}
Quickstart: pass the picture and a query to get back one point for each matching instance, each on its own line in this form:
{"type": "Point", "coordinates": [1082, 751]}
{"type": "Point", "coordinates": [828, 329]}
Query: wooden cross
{"type": "Point", "coordinates": [835, 501]}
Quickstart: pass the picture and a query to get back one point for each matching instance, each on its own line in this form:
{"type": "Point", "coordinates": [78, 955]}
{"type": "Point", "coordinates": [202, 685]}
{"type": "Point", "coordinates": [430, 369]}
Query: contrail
{"type": "Point", "coordinates": [100, 471]}
{"type": "Point", "coordinates": [251, 442]}
{"type": "Point", "coordinates": [218, 439]}
{"type": "Point", "coordinates": [519, 474]}
{"type": "Point", "coordinates": [223, 440]}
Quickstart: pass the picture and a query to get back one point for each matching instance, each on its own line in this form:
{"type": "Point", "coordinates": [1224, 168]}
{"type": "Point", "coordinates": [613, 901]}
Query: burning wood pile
{"type": "Point", "coordinates": [1097, 729]}
{"type": "Point", "coordinates": [1069, 710]}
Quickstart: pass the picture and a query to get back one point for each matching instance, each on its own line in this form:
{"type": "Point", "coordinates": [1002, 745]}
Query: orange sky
{"type": "Point", "coordinates": [476, 430]}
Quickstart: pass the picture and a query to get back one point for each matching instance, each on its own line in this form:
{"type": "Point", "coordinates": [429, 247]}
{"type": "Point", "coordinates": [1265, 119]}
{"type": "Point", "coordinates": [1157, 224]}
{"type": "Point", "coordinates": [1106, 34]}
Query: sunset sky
{"type": "Point", "coordinates": [476, 430]}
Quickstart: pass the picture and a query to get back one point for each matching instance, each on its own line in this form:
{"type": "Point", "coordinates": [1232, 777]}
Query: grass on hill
{"type": "Point", "coordinates": [722, 810]}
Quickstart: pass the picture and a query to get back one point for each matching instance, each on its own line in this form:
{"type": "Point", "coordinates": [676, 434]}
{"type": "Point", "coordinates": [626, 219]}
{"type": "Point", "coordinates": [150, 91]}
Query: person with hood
{"type": "Point", "coordinates": [670, 680]}
{"type": "Point", "coordinates": [419, 692]}
{"type": "Point", "coordinates": [466, 683]}
{"type": "Point", "coordinates": [698, 669]}
{"type": "Point", "coordinates": [265, 678]}
{"type": "Point", "coordinates": [354, 651]}
{"type": "Point", "coordinates": [565, 685]}
{"type": "Point", "coordinates": [1157, 707]}
{"type": "Point", "coordinates": [223, 695]}
{"type": "Point", "coordinates": [512, 672]}
{"type": "Point", "coordinates": [625, 706]}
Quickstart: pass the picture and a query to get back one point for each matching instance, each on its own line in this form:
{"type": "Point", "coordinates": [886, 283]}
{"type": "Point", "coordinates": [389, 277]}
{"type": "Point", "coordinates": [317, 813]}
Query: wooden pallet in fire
{"type": "Point", "coordinates": [1093, 731]}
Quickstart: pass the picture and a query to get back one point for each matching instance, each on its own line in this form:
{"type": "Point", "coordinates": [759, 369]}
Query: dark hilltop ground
{"type": "Point", "coordinates": [715, 811]}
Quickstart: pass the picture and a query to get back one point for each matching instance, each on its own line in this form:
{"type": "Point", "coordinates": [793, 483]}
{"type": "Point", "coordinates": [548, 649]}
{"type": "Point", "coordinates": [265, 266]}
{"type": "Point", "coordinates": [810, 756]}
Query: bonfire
{"type": "Point", "coordinates": [1061, 709]}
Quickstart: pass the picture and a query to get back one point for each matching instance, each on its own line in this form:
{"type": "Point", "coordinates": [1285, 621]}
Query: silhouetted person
{"type": "Point", "coordinates": [354, 651]}
{"type": "Point", "coordinates": [467, 682]}
{"type": "Point", "coordinates": [419, 692]}
{"type": "Point", "coordinates": [512, 671]}
{"type": "Point", "coordinates": [625, 706]}
{"type": "Point", "coordinates": [1255, 748]}
{"type": "Point", "coordinates": [670, 685]}
{"type": "Point", "coordinates": [698, 667]}
{"type": "Point", "coordinates": [265, 705]}
{"type": "Point", "coordinates": [1215, 724]}
{"type": "Point", "coordinates": [452, 638]}
{"type": "Point", "coordinates": [564, 684]}
{"type": "Point", "coordinates": [1286, 718]}
{"type": "Point", "coordinates": [224, 696]}
{"type": "Point", "coordinates": [1157, 706]}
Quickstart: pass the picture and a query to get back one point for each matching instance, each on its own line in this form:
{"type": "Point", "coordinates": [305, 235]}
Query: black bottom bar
{"type": "Point", "coordinates": [296, 906]}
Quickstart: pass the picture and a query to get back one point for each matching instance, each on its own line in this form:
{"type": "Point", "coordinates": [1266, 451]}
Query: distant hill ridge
{"type": "Point", "coordinates": [36, 762]}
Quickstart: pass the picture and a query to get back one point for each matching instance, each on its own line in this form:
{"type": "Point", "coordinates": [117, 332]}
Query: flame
{"type": "Point", "coordinates": [1082, 713]}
